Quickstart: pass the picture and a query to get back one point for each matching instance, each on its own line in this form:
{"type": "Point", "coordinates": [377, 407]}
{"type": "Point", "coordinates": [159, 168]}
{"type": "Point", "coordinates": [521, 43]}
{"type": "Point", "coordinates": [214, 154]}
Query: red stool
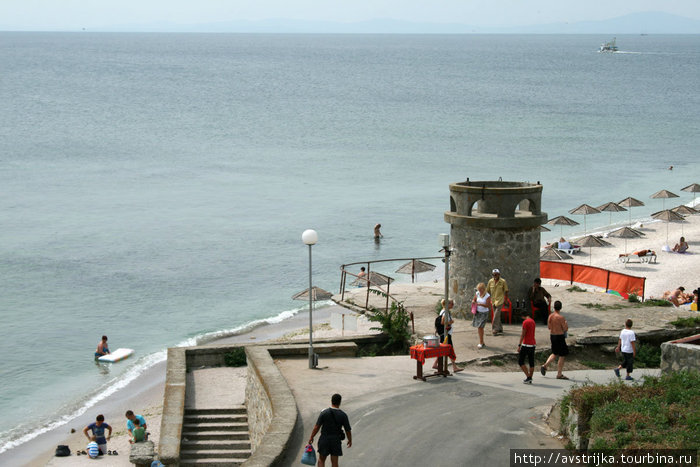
{"type": "Point", "coordinates": [506, 310]}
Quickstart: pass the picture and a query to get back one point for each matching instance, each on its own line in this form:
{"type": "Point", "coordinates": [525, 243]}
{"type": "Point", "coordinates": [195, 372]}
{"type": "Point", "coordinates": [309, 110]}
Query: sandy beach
{"type": "Point", "coordinates": [144, 395]}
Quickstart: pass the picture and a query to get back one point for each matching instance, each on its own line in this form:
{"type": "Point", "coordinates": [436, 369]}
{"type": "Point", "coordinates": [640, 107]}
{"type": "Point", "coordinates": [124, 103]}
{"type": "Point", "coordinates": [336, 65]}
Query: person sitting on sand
{"type": "Point", "coordinates": [681, 247]}
{"type": "Point", "coordinates": [131, 420]}
{"type": "Point", "coordinates": [102, 348]}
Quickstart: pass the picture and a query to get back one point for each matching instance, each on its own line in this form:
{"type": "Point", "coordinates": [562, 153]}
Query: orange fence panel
{"type": "Point", "coordinates": [609, 280]}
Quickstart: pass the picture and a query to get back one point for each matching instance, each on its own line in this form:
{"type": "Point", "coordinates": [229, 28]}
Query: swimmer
{"type": "Point", "coordinates": [377, 232]}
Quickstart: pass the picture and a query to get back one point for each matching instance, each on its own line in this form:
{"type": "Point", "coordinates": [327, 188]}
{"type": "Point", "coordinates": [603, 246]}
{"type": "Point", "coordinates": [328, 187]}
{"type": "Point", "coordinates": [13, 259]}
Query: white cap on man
{"type": "Point", "coordinates": [496, 271]}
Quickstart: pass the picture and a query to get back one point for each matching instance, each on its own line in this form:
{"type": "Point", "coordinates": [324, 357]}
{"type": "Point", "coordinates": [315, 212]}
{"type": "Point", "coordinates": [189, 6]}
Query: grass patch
{"type": "Point", "coordinates": [601, 307]}
{"type": "Point", "coordinates": [655, 302]}
{"type": "Point", "coordinates": [662, 413]}
{"type": "Point", "coordinates": [689, 322]}
{"type": "Point", "coordinates": [594, 365]}
{"type": "Point", "coordinates": [575, 288]}
{"type": "Point", "coordinates": [497, 362]}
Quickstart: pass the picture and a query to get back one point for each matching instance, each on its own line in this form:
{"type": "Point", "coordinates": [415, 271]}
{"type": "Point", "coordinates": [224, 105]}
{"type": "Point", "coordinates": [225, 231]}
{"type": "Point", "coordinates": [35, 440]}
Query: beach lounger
{"type": "Point", "coordinates": [644, 256]}
{"type": "Point", "coordinates": [570, 251]}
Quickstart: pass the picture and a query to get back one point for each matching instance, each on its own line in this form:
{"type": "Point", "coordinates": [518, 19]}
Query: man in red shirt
{"type": "Point", "coordinates": [526, 348]}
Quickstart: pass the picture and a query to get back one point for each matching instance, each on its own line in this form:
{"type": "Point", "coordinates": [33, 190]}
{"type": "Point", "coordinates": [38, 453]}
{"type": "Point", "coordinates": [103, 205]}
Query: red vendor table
{"type": "Point", "coordinates": [420, 353]}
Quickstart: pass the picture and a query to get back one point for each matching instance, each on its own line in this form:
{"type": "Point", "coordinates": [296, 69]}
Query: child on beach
{"type": "Point", "coordinates": [629, 350]}
{"type": "Point", "coordinates": [138, 434]}
{"type": "Point", "coordinates": [526, 348]}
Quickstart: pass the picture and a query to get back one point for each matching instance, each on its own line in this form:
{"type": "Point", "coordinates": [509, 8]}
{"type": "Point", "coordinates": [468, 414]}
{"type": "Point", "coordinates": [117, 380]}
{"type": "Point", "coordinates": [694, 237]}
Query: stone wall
{"type": "Point", "coordinates": [681, 354]}
{"type": "Point", "coordinates": [258, 405]}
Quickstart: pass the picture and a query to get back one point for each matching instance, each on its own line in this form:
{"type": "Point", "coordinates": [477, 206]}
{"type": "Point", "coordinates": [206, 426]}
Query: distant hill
{"type": "Point", "coordinates": [636, 23]}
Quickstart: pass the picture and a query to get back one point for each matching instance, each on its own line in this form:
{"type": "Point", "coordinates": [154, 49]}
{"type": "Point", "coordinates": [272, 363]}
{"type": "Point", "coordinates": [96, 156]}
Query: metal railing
{"type": "Point", "coordinates": [368, 277]}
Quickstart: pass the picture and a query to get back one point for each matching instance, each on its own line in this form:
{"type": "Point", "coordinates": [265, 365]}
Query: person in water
{"type": "Point", "coordinates": [102, 348]}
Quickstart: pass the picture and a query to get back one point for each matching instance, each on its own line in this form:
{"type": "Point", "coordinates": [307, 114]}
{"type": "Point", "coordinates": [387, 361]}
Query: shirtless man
{"type": "Point", "coordinates": [102, 348]}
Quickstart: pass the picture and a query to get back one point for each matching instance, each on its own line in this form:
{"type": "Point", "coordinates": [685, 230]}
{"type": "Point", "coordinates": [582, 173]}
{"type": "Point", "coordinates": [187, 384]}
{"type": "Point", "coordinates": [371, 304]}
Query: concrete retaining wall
{"type": "Point", "coordinates": [681, 354]}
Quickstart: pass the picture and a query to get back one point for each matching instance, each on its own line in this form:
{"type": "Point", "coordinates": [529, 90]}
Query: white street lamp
{"type": "Point", "coordinates": [310, 237]}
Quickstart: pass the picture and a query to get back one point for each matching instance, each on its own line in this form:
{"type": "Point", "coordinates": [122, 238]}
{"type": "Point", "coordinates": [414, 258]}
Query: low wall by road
{"type": "Point", "coordinates": [681, 354]}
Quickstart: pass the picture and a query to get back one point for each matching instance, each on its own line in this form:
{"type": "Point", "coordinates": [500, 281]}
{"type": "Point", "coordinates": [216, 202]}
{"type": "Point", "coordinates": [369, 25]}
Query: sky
{"type": "Point", "coordinates": [78, 14]}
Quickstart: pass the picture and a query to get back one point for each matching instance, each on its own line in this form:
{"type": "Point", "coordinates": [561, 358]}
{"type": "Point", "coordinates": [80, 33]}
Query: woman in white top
{"type": "Point", "coordinates": [483, 307]}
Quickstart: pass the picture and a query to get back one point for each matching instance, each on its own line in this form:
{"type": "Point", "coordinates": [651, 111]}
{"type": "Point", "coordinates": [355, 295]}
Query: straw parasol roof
{"type": "Point", "coordinates": [317, 294]}
{"type": "Point", "coordinates": [555, 255]}
{"type": "Point", "coordinates": [591, 241]}
{"type": "Point", "coordinates": [667, 216]}
{"type": "Point", "coordinates": [420, 266]}
{"type": "Point", "coordinates": [414, 267]}
{"type": "Point", "coordinates": [374, 278]}
{"type": "Point", "coordinates": [611, 207]}
{"type": "Point", "coordinates": [584, 210]}
{"type": "Point", "coordinates": [664, 194]}
{"type": "Point", "coordinates": [692, 188]}
{"type": "Point", "coordinates": [626, 232]}
{"type": "Point", "coordinates": [544, 229]}
{"type": "Point", "coordinates": [685, 210]}
{"type": "Point", "coordinates": [630, 203]}
{"type": "Point", "coordinates": [561, 221]}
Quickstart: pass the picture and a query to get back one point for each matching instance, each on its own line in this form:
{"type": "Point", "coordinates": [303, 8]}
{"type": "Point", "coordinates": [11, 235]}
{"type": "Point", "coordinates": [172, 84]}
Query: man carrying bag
{"type": "Point", "coordinates": [331, 422]}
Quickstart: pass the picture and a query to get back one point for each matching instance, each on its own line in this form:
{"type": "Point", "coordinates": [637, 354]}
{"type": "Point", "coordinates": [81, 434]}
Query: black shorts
{"type": "Point", "coordinates": [528, 352]}
{"type": "Point", "coordinates": [628, 361]}
{"type": "Point", "coordinates": [559, 347]}
{"type": "Point", "coordinates": [330, 446]}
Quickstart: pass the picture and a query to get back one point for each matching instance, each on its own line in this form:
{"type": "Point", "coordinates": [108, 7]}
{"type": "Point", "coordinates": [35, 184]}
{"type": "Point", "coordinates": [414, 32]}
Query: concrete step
{"type": "Point", "coordinates": [190, 427]}
{"type": "Point", "coordinates": [215, 444]}
{"type": "Point", "coordinates": [237, 455]}
{"type": "Point", "coordinates": [215, 418]}
{"type": "Point", "coordinates": [241, 409]}
{"type": "Point", "coordinates": [216, 435]}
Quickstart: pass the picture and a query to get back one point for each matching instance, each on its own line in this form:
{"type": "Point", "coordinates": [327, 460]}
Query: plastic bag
{"type": "Point", "coordinates": [474, 308]}
{"type": "Point", "coordinates": [309, 456]}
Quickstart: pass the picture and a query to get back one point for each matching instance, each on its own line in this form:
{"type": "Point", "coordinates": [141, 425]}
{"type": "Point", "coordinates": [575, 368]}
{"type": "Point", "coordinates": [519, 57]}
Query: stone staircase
{"type": "Point", "coordinates": [215, 437]}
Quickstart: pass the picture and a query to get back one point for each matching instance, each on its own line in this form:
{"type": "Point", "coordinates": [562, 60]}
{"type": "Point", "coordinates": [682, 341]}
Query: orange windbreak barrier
{"type": "Point", "coordinates": [598, 277]}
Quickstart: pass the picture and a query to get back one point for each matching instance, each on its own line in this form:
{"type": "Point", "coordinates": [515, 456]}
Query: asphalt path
{"type": "Point", "coordinates": [468, 419]}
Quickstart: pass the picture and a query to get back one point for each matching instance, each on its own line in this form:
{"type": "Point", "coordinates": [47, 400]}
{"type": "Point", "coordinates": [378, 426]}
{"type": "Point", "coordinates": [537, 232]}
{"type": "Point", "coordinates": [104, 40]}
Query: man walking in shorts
{"type": "Point", "coordinates": [331, 422]}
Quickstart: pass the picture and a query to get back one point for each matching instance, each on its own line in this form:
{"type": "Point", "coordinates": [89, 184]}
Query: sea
{"type": "Point", "coordinates": [154, 187]}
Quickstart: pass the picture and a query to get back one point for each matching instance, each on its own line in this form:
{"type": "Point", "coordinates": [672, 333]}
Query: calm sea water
{"type": "Point", "coordinates": [155, 187]}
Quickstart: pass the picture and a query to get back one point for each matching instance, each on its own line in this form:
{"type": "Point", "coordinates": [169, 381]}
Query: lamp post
{"type": "Point", "coordinates": [444, 240]}
{"type": "Point", "coordinates": [310, 237]}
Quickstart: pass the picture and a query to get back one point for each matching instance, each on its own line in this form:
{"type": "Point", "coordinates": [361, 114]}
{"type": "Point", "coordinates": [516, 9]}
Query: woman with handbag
{"type": "Point", "coordinates": [481, 306]}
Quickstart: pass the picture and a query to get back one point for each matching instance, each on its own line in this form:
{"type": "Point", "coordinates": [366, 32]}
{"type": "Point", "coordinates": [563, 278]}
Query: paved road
{"type": "Point", "coordinates": [472, 418]}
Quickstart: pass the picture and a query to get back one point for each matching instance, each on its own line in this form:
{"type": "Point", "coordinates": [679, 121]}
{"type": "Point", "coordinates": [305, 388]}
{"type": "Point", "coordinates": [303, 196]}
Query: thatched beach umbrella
{"type": "Point", "coordinates": [373, 278]}
{"type": "Point", "coordinates": [684, 210]}
{"type": "Point", "coordinates": [611, 207]}
{"type": "Point", "coordinates": [664, 194]}
{"type": "Point", "coordinates": [584, 210]}
{"type": "Point", "coordinates": [415, 266]}
{"type": "Point", "coordinates": [667, 216]}
{"type": "Point", "coordinates": [630, 203]}
{"type": "Point", "coordinates": [554, 255]}
{"type": "Point", "coordinates": [317, 293]}
{"type": "Point", "coordinates": [692, 188]}
{"type": "Point", "coordinates": [561, 221]}
{"type": "Point", "coordinates": [590, 241]}
{"type": "Point", "coordinates": [544, 229]}
{"type": "Point", "coordinates": [626, 232]}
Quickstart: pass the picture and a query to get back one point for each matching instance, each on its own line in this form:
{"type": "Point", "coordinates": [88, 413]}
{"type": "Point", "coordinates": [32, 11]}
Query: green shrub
{"type": "Point", "coordinates": [594, 365]}
{"type": "Point", "coordinates": [633, 298]}
{"type": "Point", "coordinates": [648, 356]}
{"type": "Point", "coordinates": [575, 288]}
{"type": "Point", "coordinates": [235, 357]}
{"type": "Point", "coordinates": [689, 322]}
{"type": "Point", "coordinates": [394, 323]}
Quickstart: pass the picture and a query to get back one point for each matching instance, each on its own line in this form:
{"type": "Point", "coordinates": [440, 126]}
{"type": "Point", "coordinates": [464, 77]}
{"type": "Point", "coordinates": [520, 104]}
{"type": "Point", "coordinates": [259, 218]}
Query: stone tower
{"type": "Point", "coordinates": [495, 224]}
